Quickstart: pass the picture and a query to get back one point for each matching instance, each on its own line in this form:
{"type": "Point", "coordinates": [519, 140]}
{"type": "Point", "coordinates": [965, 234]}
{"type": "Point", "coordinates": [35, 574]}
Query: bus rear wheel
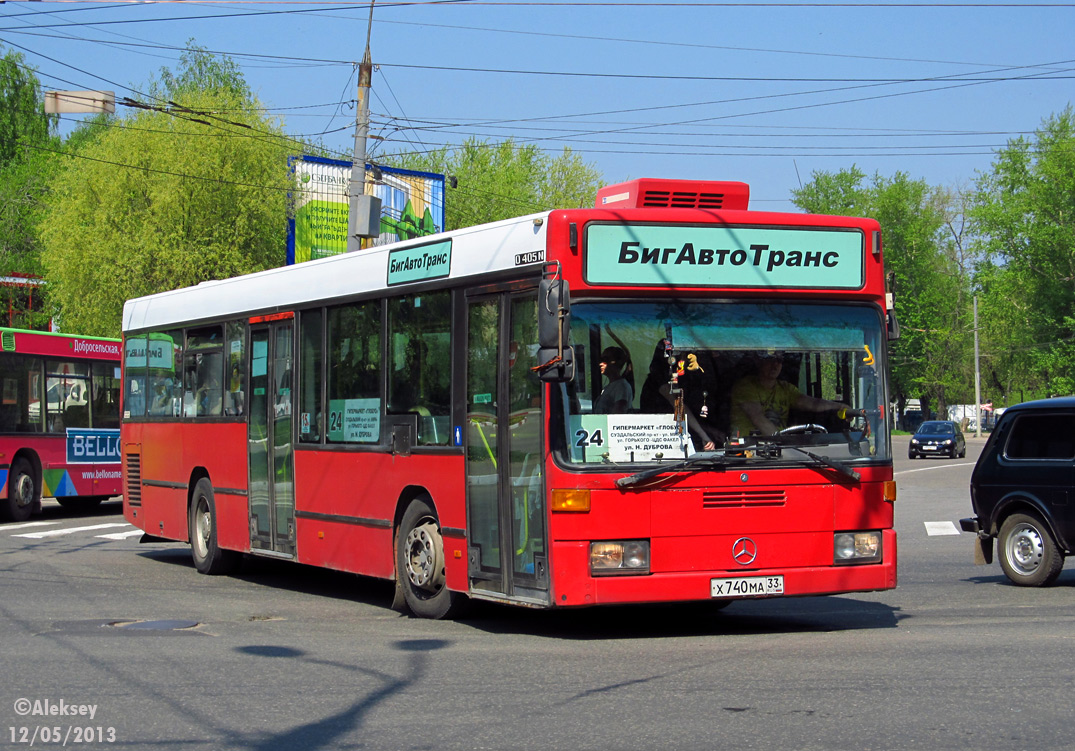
{"type": "Point", "coordinates": [420, 564]}
{"type": "Point", "coordinates": [208, 556]}
{"type": "Point", "coordinates": [22, 493]}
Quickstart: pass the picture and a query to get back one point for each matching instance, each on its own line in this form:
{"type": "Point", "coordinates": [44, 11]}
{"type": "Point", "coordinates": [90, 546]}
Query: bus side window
{"type": "Point", "coordinates": [419, 381]}
{"type": "Point", "coordinates": [235, 402]}
{"type": "Point", "coordinates": [310, 421]}
{"type": "Point", "coordinates": [105, 390]}
{"type": "Point", "coordinates": [354, 381]}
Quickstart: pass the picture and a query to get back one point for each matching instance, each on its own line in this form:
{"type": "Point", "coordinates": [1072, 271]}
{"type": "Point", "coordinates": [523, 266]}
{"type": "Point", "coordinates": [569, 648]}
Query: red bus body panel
{"type": "Point", "coordinates": [58, 476]}
{"type": "Point", "coordinates": [692, 522]}
{"type": "Point", "coordinates": [365, 485]}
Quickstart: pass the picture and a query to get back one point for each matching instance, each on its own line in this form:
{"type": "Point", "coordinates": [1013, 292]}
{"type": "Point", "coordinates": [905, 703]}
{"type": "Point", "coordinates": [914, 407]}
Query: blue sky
{"type": "Point", "coordinates": [764, 93]}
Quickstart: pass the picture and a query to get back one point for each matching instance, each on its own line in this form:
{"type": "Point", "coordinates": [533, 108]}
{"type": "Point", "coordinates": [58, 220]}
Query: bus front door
{"type": "Point", "coordinates": [505, 485]}
{"type": "Point", "coordinates": [272, 493]}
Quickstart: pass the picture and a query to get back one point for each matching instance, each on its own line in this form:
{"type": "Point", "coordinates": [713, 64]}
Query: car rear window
{"type": "Point", "coordinates": [1042, 437]}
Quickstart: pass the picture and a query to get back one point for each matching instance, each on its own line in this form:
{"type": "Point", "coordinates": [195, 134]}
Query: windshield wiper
{"type": "Point", "coordinates": [840, 467]}
{"type": "Point", "coordinates": [701, 456]}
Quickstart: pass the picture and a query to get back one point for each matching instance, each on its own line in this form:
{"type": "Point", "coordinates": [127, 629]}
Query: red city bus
{"type": "Point", "coordinates": [554, 411]}
{"type": "Point", "coordinates": [59, 421]}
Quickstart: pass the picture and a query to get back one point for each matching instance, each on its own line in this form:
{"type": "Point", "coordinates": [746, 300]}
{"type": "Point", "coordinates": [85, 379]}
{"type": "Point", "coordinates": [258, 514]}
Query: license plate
{"type": "Point", "coordinates": [929, 448]}
{"type": "Point", "coordinates": [747, 586]}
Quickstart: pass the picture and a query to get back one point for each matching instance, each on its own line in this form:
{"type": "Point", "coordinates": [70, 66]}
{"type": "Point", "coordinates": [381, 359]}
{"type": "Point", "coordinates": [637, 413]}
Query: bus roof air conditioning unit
{"type": "Point", "coordinates": [649, 192]}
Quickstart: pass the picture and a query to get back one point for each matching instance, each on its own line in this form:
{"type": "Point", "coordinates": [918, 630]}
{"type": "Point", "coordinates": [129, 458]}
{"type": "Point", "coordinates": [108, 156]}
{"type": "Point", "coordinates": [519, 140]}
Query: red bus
{"type": "Point", "coordinates": [549, 411]}
{"type": "Point", "coordinates": [59, 421]}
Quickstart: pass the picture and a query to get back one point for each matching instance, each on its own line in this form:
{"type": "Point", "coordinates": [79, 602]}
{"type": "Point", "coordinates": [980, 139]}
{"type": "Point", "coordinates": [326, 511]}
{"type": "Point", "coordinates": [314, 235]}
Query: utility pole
{"type": "Point", "coordinates": [977, 377]}
{"type": "Point", "coordinates": [364, 212]}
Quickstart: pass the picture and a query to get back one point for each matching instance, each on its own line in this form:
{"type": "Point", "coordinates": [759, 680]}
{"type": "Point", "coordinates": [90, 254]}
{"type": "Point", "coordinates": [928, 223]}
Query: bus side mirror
{"type": "Point", "coordinates": [556, 362]}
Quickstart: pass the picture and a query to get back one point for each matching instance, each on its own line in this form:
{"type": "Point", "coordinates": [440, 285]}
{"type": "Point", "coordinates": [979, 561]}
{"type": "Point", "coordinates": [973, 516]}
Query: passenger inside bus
{"type": "Point", "coordinates": [697, 387]}
{"type": "Point", "coordinates": [209, 397]}
{"type": "Point", "coordinates": [618, 395]}
{"type": "Point", "coordinates": [235, 392]}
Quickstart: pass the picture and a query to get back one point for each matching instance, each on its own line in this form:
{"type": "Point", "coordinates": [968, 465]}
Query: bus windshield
{"type": "Point", "coordinates": [659, 381]}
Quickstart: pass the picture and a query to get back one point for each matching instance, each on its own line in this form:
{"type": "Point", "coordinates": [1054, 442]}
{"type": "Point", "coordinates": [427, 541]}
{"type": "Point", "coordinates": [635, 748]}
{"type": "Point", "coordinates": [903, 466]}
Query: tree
{"type": "Point", "coordinates": [22, 112]}
{"type": "Point", "coordinates": [501, 180]}
{"type": "Point", "coordinates": [926, 259]}
{"type": "Point", "coordinates": [1024, 212]}
{"type": "Point", "coordinates": [191, 186]}
{"type": "Point", "coordinates": [24, 166]}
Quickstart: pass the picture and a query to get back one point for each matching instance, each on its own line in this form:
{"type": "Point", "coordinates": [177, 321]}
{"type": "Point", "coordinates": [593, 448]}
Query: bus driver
{"type": "Point", "coordinates": [762, 402]}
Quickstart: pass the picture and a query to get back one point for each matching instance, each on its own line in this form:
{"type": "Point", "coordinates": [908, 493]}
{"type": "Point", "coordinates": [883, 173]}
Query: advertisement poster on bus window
{"type": "Point", "coordinates": [412, 205]}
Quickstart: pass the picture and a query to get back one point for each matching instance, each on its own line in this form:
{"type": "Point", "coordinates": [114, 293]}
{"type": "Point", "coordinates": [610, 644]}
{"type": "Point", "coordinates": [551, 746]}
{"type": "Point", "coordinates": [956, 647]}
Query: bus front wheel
{"type": "Point", "coordinates": [22, 493]}
{"type": "Point", "coordinates": [420, 563]}
{"type": "Point", "coordinates": [209, 558]}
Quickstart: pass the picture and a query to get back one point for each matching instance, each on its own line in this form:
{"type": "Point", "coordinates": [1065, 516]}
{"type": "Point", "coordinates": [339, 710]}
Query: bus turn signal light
{"type": "Point", "coordinates": [570, 499]}
{"type": "Point", "coordinates": [890, 490]}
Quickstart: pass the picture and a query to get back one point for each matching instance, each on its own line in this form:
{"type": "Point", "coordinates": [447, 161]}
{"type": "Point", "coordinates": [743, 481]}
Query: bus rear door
{"type": "Point", "coordinates": [269, 444]}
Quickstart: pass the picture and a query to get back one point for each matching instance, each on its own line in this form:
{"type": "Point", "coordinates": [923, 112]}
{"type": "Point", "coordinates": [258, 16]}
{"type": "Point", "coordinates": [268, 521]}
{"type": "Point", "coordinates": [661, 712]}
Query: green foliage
{"type": "Point", "coordinates": [158, 199]}
{"type": "Point", "coordinates": [199, 72]}
{"type": "Point", "coordinates": [24, 170]}
{"type": "Point", "coordinates": [503, 180]}
{"type": "Point", "coordinates": [22, 111]}
{"type": "Point", "coordinates": [923, 250]}
{"type": "Point", "coordinates": [1024, 212]}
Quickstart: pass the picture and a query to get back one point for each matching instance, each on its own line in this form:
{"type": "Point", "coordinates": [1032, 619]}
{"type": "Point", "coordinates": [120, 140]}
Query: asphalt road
{"type": "Point", "coordinates": [287, 657]}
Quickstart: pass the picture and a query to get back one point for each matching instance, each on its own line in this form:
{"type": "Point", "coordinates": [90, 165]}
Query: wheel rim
{"type": "Point", "coordinates": [203, 528]}
{"type": "Point", "coordinates": [425, 569]}
{"type": "Point", "coordinates": [1024, 549]}
{"type": "Point", "coordinates": [24, 490]}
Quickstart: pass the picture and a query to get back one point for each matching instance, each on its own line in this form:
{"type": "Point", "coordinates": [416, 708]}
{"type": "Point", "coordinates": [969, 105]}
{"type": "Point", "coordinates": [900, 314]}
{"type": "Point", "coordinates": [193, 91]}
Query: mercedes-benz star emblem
{"type": "Point", "coordinates": [744, 551]}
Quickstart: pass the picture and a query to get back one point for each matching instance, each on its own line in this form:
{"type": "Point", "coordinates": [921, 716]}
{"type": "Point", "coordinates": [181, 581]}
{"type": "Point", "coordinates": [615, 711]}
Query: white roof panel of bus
{"type": "Point", "coordinates": [475, 250]}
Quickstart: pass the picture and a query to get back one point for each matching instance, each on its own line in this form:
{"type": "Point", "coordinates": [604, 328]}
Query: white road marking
{"type": "Point", "coordinates": [68, 531]}
{"type": "Point", "coordinates": [122, 535]}
{"type": "Point", "coordinates": [939, 466]}
{"type": "Point", "coordinates": [7, 527]}
{"type": "Point", "coordinates": [941, 528]}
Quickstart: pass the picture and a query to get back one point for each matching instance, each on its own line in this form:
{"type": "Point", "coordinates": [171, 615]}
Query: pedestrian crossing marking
{"type": "Point", "coordinates": [121, 535]}
{"type": "Point", "coordinates": [941, 528]}
{"type": "Point", "coordinates": [24, 525]}
{"type": "Point", "coordinates": [67, 531]}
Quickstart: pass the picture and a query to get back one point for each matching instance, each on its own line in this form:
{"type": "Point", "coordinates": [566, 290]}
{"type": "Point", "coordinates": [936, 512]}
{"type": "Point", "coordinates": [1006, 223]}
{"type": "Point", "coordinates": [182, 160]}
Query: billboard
{"type": "Point", "coordinates": [412, 205]}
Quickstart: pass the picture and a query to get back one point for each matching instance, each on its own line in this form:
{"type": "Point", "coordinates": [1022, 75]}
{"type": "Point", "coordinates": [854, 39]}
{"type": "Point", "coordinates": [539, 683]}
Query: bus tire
{"type": "Point", "coordinates": [209, 558]}
{"type": "Point", "coordinates": [1028, 554]}
{"type": "Point", "coordinates": [420, 564]}
{"type": "Point", "coordinates": [22, 492]}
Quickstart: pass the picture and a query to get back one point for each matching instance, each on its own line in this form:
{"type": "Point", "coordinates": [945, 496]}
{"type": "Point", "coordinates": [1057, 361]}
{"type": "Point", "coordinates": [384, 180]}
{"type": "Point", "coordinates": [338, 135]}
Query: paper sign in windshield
{"type": "Point", "coordinates": [628, 438]}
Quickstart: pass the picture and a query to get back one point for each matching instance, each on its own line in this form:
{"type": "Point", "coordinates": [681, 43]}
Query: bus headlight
{"type": "Point", "coordinates": [619, 557]}
{"type": "Point", "coordinates": [856, 547]}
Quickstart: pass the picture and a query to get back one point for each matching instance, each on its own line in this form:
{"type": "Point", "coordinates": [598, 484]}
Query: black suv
{"type": "Point", "coordinates": [1022, 491]}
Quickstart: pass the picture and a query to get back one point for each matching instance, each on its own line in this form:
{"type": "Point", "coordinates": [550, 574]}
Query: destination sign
{"type": "Point", "coordinates": [416, 264]}
{"type": "Point", "coordinates": [721, 256]}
